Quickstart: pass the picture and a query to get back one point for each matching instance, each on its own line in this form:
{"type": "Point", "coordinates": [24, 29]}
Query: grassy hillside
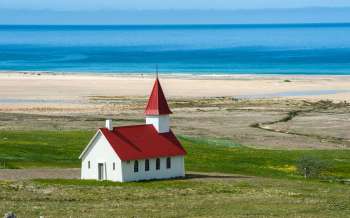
{"type": "Point", "coordinates": [61, 149]}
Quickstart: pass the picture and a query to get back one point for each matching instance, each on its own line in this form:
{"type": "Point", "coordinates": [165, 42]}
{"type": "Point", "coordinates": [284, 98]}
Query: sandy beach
{"type": "Point", "coordinates": [17, 87]}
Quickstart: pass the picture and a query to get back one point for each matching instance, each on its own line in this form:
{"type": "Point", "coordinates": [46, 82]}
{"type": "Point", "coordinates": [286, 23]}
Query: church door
{"type": "Point", "coordinates": [100, 171]}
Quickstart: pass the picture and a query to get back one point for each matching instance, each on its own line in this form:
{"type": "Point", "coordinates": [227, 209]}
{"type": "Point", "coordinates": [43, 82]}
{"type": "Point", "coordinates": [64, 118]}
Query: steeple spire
{"type": "Point", "coordinates": [157, 110]}
{"type": "Point", "coordinates": [157, 103]}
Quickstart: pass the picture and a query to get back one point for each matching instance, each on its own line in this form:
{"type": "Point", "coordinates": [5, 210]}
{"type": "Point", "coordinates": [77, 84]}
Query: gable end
{"type": "Point", "coordinates": [87, 147]}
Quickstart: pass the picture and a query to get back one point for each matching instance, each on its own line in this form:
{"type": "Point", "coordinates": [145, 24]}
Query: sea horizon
{"type": "Point", "coordinates": [189, 24]}
{"type": "Point", "coordinates": [192, 49]}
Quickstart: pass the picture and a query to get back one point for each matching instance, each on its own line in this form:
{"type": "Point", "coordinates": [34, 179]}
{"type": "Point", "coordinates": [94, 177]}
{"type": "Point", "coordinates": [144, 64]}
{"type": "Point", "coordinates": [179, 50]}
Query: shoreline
{"type": "Point", "coordinates": [214, 76]}
{"type": "Point", "coordinates": [38, 86]}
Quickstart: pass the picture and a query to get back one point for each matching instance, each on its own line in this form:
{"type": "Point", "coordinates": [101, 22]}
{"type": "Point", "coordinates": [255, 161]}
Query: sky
{"type": "Point", "coordinates": [81, 5]}
{"type": "Point", "coordinates": [120, 12]}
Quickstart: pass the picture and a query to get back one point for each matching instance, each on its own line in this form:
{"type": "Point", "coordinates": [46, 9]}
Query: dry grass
{"type": "Point", "coordinates": [255, 197]}
{"type": "Point", "coordinates": [220, 117]}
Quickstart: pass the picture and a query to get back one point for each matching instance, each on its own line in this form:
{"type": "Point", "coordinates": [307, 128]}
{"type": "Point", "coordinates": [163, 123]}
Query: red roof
{"type": "Point", "coordinates": [142, 141]}
{"type": "Point", "coordinates": [157, 104]}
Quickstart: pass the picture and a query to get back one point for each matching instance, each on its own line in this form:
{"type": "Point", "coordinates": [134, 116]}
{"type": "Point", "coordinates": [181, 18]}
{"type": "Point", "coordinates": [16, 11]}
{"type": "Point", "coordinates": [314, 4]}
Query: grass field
{"type": "Point", "coordinates": [257, 197]}
{"type": "Point", "coordinates": [273, 188]}
{"type": "Point", "coordinates": [26, 149]}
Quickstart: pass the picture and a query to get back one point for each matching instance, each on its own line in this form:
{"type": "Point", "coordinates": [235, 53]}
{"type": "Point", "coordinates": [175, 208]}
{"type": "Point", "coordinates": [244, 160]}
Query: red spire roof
{"type": "Point", "coordinates": [157, 104]}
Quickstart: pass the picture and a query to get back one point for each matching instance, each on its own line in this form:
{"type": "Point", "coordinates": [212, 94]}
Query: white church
{"type": "Point", "coordinates": [139, 152]}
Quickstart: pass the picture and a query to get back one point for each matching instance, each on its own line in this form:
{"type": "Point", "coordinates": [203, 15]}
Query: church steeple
{"type": "Point", "coordinates": [157, 103]}
{"type": "Point", "coordinates": [157, 110]}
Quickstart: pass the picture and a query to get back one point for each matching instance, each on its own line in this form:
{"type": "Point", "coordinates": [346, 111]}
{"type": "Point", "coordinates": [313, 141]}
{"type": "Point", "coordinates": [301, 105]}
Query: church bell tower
{"type": "Point", "coordinates": [157, 111]}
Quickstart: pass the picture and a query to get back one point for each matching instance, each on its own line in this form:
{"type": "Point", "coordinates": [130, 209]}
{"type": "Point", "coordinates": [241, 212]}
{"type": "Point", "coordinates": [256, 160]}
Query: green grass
{"type": "Point", "coordinates": [29, 149]}
{"type": "Point", "coordinates": [25, 149]}
{"type": "Point", "coordinates": [275, 190]}
{"type": "Point", "coordinates": [230, 158]}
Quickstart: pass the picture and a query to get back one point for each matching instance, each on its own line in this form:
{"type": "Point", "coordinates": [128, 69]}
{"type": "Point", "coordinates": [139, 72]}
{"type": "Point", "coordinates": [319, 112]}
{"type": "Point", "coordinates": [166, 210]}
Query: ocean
{"type": "Point", "coordinates": [178, 49]}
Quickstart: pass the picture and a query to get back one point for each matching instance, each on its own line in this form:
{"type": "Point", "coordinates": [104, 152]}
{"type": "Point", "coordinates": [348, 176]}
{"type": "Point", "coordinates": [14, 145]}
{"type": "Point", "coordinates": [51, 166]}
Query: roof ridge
{"type": "Point", "coordinates": [129, 126]}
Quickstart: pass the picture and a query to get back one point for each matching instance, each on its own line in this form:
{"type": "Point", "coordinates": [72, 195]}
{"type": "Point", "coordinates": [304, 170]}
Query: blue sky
{"type": "Point", "coordinates": [165, 4]}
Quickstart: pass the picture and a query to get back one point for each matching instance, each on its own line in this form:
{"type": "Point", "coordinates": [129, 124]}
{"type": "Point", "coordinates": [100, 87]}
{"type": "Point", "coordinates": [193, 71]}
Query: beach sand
{"type": "Point", "coordinates": [78, 87]}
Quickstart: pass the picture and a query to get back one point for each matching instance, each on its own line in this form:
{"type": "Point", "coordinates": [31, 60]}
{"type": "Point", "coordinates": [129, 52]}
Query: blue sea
{"type": "Point", "coordinates": [189, 49]}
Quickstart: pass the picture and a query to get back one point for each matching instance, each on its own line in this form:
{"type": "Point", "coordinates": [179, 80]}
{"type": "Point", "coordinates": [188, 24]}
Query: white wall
{"type": "Point", "coordinates": [177, 169]}
{"type": "Point", "coordinates": [100, 151]}
{"type": "Point", "coordinates": [161, 122]}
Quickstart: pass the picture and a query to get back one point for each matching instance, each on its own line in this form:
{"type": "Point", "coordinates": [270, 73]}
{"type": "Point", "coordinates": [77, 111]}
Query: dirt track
{"type": "Point", "coordinates": [74, 173]}
{"type": "Point", "coordinates": [25, 174]}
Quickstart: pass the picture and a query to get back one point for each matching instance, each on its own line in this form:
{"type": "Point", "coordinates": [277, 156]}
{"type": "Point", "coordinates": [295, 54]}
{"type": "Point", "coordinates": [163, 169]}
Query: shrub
{"type": "Point", "coordinates": [311, 167]}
